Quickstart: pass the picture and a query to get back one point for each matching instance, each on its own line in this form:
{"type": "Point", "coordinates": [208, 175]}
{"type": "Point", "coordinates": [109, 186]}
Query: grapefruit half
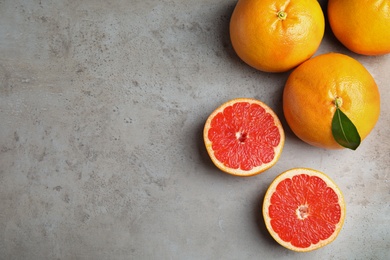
{"type": "Point", "coordinates": [243, 137]}
{"type": "Point", "coordinates": [303, 209]}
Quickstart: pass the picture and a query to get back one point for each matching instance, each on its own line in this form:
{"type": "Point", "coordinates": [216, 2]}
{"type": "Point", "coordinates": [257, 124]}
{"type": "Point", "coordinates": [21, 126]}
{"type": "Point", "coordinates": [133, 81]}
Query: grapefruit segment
{"type": "Point", "coordinates": [303, 209]}
{"type": "Point", "coordinates": [243, 137]}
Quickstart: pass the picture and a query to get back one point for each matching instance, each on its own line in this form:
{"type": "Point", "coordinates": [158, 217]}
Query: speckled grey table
{"type": "Point", "coordinates": [102, 106]}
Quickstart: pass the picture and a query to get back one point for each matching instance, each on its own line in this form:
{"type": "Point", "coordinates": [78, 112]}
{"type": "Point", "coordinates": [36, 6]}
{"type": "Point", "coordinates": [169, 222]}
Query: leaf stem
{"type": "Point", "coordinates": [338, 102]}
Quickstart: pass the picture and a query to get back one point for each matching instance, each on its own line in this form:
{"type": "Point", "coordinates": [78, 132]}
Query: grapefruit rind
{"type": "Point", "coordinates": [267, 202]}
{"type": "Point", "coordinates": [255, 170]}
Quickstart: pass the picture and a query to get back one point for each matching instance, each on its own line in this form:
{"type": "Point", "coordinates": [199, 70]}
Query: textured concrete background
{"type": "Point", "coordinates": [102, 106]}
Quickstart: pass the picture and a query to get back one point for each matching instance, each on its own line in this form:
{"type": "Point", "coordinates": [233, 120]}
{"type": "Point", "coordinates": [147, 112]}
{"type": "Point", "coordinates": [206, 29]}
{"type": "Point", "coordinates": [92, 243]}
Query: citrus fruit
{"type": "Point", "coordinates": [243, 137]}
{"type": "Point", "coordinates": [319, 86]}
{"type": "Point", "coordinates": [276, 35]}
{"type": "Point", "coordinates": [303, 209]}
{"type": "Point", "coordinates": [363, 26]}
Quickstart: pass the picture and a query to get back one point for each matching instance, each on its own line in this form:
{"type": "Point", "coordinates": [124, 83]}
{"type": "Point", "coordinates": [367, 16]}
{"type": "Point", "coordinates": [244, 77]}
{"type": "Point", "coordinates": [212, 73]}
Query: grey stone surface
{"type": "Point", "coordinates": [102, 106]}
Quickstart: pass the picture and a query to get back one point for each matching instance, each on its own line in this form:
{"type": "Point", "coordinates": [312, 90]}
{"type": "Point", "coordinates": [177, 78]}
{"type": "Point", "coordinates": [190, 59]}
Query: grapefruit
{"type": "Point", "coordinates": [318, 87]}
{"type": "Point", "coordinates": [363, 26]}
{"type": "Point", "coordinates": [276, 35]}
{"type": "Point", "coordinates": [243, 137]}
{"type": "Point", "coordinates": [303, 209]}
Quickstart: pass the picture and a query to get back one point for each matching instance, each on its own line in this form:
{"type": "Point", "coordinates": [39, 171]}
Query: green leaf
{"type": "Point", "coordinates": [344, 131]}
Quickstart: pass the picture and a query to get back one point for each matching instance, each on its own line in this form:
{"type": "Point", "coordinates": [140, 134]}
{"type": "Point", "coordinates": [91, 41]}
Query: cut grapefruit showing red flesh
{"type": "Point", "coordinates": [303, 209]}
{"type": "Point", "coordinates": [243, 137]}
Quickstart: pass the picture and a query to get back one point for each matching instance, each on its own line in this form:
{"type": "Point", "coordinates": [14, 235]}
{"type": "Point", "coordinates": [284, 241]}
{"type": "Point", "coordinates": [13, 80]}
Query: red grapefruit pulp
{"type": "Point", "coordinates": [243, 137]}
{"type": "Point", "coordinates": [303, 209]}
